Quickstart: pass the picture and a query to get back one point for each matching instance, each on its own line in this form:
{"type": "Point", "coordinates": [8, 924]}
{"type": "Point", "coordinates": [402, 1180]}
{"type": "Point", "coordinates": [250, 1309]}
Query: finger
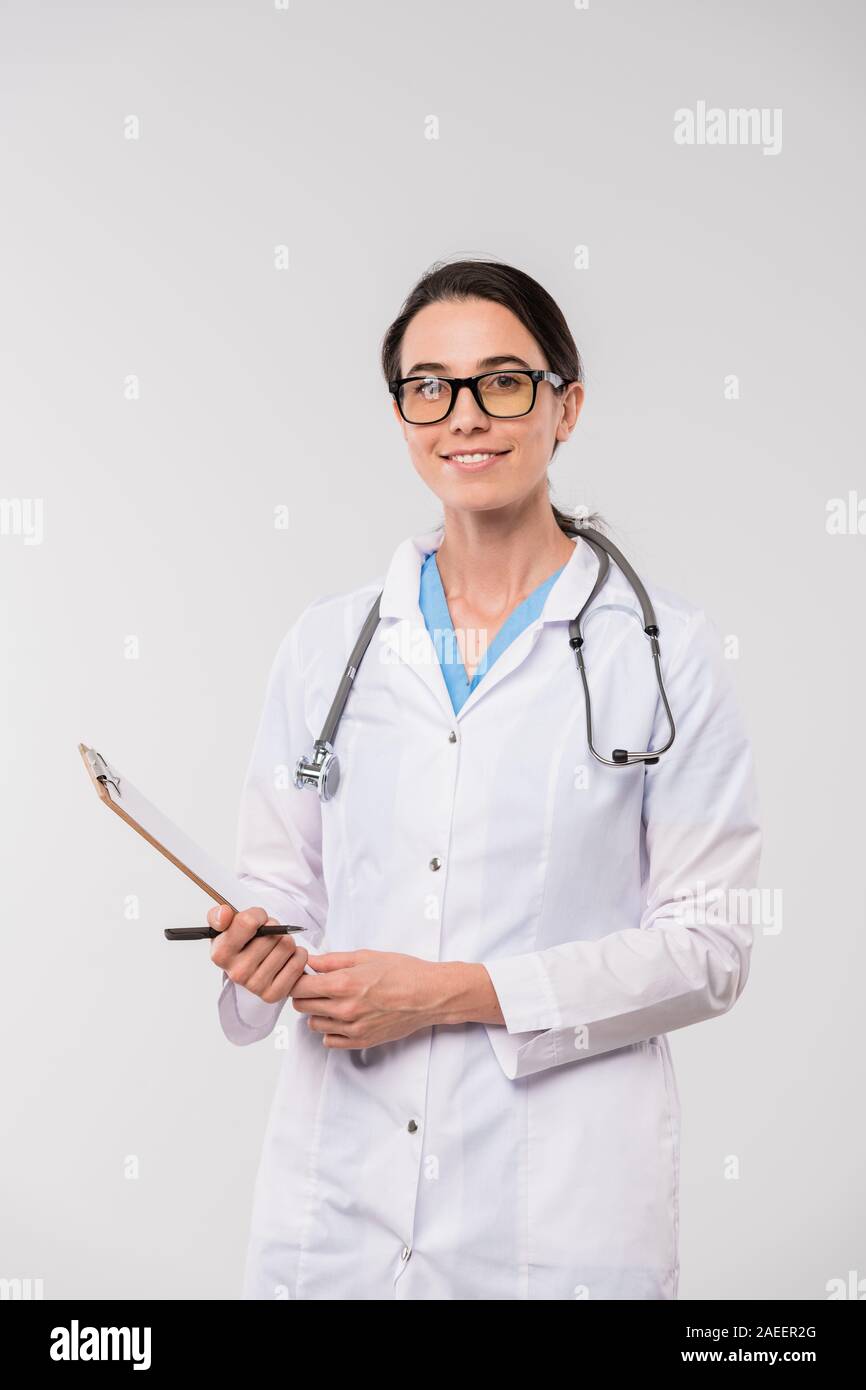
{"type": "Point", "coordinates": [321, 1023]}
{"type": "Point", "coordinates": [275, 977]}
{"type": "Point", "coordinates": [245, 925]}
{"type": "Point", "coordinates": [220, 917]}
{"type": "Point", "coordinates": [232, 940]}
{"type": "Point", "coordinates": [334, 960]}
{"type": "Point", "coordinates": [323, 988]}
{"type": "Point", "coordinates": [239, 951]}
{"type": "Point", "coordinates": [318, 1005]}
{"type": "Point", "coordinates": [331, 1004]}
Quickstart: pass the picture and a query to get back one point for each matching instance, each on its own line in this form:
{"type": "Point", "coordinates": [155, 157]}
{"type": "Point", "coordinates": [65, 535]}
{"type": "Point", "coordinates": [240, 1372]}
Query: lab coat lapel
{"type": "Point", "coordinates": [404, 635]}
{"type": "Point", "coordinates": [564, 602]}
{"type": "Point", "coordinates": [409, 641]}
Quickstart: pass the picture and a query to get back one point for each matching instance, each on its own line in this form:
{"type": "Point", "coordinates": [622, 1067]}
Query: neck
{"type": "Point", "coordinates": [493, 561]}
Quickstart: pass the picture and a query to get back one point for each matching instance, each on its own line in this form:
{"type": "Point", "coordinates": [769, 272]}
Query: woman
{"type": "Point", "coordinates": [477, 1099]}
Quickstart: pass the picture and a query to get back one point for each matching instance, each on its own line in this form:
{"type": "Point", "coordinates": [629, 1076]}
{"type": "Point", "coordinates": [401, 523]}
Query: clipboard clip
{"type": "Point", "coordinates": [102, 771]}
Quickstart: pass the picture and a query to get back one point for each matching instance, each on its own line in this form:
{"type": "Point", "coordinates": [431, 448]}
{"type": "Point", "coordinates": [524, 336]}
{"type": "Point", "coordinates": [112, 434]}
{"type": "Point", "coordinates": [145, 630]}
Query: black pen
{"type": "Point", "coordinates": [202, 933]}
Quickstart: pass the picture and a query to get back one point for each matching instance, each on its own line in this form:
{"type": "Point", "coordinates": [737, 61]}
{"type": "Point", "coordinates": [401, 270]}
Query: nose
{"type": "Point", "coordinates": [466, 413]}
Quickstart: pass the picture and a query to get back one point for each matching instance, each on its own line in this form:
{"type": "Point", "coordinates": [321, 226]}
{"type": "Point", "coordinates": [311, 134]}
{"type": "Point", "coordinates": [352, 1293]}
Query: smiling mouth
{"type": "Point", "coordinates": [476, 457]}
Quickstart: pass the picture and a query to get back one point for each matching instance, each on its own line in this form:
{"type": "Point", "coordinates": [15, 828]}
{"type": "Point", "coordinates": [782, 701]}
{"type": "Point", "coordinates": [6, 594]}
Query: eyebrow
{"type": "Point", "coordinates": [482, 364]}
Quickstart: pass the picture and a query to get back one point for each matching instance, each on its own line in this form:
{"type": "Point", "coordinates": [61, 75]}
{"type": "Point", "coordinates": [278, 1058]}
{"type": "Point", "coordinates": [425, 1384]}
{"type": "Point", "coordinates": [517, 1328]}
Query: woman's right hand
{"type": "Point", "coordinates": [269, 966]}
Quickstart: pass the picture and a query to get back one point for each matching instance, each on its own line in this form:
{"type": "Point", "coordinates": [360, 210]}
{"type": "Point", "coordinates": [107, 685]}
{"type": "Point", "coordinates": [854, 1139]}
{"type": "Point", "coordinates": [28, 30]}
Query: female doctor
{"type": "Point", "coordinates": [503, 920]}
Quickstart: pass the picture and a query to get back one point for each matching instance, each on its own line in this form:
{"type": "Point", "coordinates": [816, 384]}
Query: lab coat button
{"type": "Point", "coordinates": [435, 863]}
{"type": "Point", "coordinates": [452, 737]}
{"type": "Point", "coordinates": [412, 1126]}
{"type": "Point", "coordinates": [405, 1253]}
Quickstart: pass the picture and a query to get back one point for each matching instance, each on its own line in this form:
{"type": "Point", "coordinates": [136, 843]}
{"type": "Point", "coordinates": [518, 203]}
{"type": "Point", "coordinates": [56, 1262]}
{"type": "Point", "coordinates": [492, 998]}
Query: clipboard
{"type": "Point", "coordinates": [126, 801]}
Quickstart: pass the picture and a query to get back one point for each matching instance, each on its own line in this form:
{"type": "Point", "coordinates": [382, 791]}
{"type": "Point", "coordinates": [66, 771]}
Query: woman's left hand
{"type": "Point", "coordinates": [361, 998]}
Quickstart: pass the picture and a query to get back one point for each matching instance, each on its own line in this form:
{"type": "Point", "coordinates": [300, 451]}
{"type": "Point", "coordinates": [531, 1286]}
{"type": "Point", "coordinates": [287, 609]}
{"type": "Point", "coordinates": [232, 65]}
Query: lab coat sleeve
{"type": "Point", "coordinates": [279, 837]}
{"type": "Point", "coordinates": [688, 957]}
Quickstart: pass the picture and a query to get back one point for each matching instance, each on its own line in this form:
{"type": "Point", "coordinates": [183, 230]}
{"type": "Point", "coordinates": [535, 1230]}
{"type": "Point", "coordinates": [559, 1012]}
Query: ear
{"type": "Point", "coordinates": [572, 404]}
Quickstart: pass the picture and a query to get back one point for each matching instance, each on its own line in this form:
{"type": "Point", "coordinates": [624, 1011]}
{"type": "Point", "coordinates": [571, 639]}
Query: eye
{"type": "Point", "coordinates": [429, 388]}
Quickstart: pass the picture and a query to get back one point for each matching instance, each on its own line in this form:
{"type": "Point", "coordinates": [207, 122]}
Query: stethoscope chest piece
{"type": "Point", "coordinates": [323, 772]}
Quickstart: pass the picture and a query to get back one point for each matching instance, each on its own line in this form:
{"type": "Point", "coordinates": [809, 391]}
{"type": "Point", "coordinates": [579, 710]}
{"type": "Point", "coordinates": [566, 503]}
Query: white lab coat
{"type": "Point", "coordinates": [539, 1159]}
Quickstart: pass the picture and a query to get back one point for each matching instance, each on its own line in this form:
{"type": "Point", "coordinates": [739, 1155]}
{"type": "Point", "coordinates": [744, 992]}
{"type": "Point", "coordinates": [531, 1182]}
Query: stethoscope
{"type": "Point", "coordinates": [323, 772]}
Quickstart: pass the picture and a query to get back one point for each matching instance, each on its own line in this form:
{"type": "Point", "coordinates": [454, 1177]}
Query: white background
{"type": "Point", "coordinates": [259, 387]}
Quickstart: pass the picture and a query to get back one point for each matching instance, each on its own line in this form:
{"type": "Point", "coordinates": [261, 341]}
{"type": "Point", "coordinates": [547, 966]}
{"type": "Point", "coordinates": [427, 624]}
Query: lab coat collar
{"type": "Point", "coordinates": [408, 636]}
{"type": "Point", "coordinates": [402, 581]}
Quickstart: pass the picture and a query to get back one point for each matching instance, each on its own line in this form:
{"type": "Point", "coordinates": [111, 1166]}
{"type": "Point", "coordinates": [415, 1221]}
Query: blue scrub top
{"type": "Point", "coordinates": [434, 607]}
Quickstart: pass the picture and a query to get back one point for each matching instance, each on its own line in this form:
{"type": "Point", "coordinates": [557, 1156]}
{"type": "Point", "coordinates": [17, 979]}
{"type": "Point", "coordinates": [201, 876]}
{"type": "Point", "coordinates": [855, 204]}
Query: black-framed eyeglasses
{"type": "Point", "coordinates": [425, 400]}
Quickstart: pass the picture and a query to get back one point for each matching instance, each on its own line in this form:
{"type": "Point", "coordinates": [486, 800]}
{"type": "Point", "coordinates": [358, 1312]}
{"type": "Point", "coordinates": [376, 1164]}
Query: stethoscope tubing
{"type": "Point", "coordinates": [323, 771]}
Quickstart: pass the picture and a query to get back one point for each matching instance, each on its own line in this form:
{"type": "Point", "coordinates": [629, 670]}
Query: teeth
{"type": "Point", "coordinates": [471, 458]}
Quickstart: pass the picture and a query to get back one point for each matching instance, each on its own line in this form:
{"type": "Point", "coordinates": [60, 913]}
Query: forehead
{"type": "Point", "coordinates": [455, 337]}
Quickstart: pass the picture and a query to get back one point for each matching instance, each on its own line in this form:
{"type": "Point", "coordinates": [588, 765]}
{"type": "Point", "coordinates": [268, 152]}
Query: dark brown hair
{"type": "Point", "coordinates": [528, 301]}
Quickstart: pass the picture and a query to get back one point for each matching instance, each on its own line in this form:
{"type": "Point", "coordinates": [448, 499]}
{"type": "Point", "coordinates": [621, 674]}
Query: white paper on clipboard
{"type": "Point", "coordinates": [131, 805]}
